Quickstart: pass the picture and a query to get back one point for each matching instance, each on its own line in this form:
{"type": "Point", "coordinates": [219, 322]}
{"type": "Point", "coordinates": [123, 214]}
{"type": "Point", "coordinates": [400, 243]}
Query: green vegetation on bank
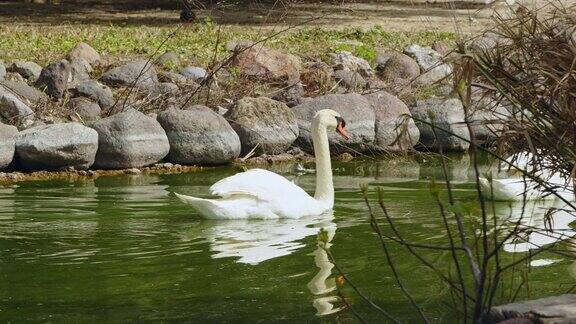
{"type": "Point", "coordinates": [43, 44]}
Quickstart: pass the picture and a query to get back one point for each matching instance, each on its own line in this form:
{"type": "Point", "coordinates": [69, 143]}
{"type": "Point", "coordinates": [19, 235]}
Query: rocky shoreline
{"type": "Point", "coordinates": [83, 116]}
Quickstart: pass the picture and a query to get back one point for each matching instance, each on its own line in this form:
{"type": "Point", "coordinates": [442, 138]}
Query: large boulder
{"type": "Point", "coordinates": [555, 309]}
{"type": "Point", "coordinates": [347, 61]}
{"type": "Point", "coordinates": [139, 73]}
{"type": "Point", "coordinates": [448, 116]}
{"type": "Point", "coordinates": [80, 71]}
{"type": "Point", "coordinates": [395, 129]}
{"type": "Point", "coordinates": [54, 78]}
{"type": "Point", "coordinates": [487, 41]}
{"type": "Point", "coordinates": [487, 115]}
{"type": "Point", "coordinates": [57, 146]}
{"type": "Point", "coordinates": [442, 47]}
{"type": "Point", "coordinates": [396, 68]}
{"type": "Point", "coordinates": [13, 77]}
{"type": "Point", "coordinates": [84, 51]}
{"type": "Point", "coordinates": [194, 73]}
{"type": "Point", "coordinates": [27, 69]}
{"type": "Point", "coordinates": [7, 148]}
{"type": "Point", "coordinates": [257, 61]}
{"type": "Point", "coordinates": [263, 122]}
{"type": "Point", "coordinates": [24, 92]}
{"type": "Point", "coordinates": [172, 77]}
{"type": "Point", "coordinates": [163, 90]}
{"type": "Point", "coordinates": [290, 95]}
{"type": "Point", "coordinates": [168, 60]}
{"type": "Point", "coordinates": [129, 139]}
{"type": "Point", "coordinates": [351, 80]}
{"type": "Point", "coordinates": [85, 109]}
{"type": "Point", "coordinates": [356, 110]}
{"type": "Point", "coordinates": [95, 91]}
{"type": "Point", "coordinates": [431, 64]}
{"type": "Point", "coordinates": [14, 111]}
{"type": "Point", "coordinates": [198, 135]}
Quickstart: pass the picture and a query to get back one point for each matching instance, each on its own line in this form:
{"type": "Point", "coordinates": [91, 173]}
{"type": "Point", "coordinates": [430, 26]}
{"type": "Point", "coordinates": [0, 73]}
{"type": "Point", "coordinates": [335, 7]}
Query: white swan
{"type": "Point", "coordinates": [518, 188]}
{"type": "Point", "coordinates": [259, 193]}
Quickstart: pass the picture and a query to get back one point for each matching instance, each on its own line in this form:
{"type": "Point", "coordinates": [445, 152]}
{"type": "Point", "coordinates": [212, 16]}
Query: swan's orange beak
{"type": "Point", "coordinates": [340, 130]}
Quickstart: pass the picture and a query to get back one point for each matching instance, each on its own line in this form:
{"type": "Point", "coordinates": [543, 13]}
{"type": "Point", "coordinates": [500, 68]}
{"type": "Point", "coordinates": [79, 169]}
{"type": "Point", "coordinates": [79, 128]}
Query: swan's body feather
{"type": "Point", "coordinates": [519, 189]}
{"type": "Point", "coordinates": [255, 193]}
{"type": "Point", "coordinates": [260, 193]}
{"type": "Point", "coordinates": [264, 184]}
{"type": "Point", "coordinates": [514, 189]}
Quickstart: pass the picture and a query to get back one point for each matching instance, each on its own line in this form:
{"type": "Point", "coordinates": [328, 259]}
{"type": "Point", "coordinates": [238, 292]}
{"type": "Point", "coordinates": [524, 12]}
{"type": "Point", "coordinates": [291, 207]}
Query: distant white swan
{"type": "Point", "coordinates": [259, 193]}
{"type": "Point", "coordinates": [518, 188]}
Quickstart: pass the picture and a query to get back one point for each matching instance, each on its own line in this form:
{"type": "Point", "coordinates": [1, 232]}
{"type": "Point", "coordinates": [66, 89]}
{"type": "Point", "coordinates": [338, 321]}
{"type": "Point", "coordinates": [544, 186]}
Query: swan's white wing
{"type": "Point", "coordinates": [272, 191]}
{"type": "Point", "coordinates": [262, 184]}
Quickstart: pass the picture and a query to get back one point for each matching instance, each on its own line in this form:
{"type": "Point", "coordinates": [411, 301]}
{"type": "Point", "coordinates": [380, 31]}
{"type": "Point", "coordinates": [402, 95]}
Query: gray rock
{"type": "Point", "coordinates": [80, 71]}
{"type": "Point", "coordinates": [448, 114]}
{"type": "Point", "coordinates": [24, 92]}
{"type": "Point", "coordinates": [555, 309]}
{"type": "Point", "coordinates": [14, 77]}
{"type": "Point", "coordinates": [193, 73]}
{"type": "Point", "coordinates": [87, 110]}
{"type": "Point", "coordinates": [95, 91]}
{"type": "Point", "coordinates": [198, 135]}
{"type": "Point", "coordinates": [291, 95]}
{"type": "Point", "coordinates": [129, 139]}
{"type": "Point", "coordinates": [172, 77]}
{"type": "Point", "coordinates": [139, 73]}
{"type": "Point", "coordinates": [397, 68]}
{"type": "Point", "coordinates": [168, 60]}
{"type": "Point", "coordinates": [84, 51]}
{"type": "Point", "coordinates": [487, 116]}
{"type": "Point", "coordinates": [57, 146]}
{"type": "Point", "coordinates": [347, 61]}
{"type": "Point", "coordinates": [7, 144]}
{"type": "Point", "coordinates": [14, 111]}
{"type": "Point", "coordinates": [35, 123]}
{"type": "Point", "coordinates": [54, 78]}
{"type": "Point", "coordinates": [2, 70]}
{"type": "Point", "coordinates": [488, 41]}
{"type": "Point", "coordinates": [395, 129]}
{"type": "Point", "coordinates": [356, 111]}
{"type": "Point", "coordinates": [351, 80]}
{"type": "Point", "coordinates": [441, 47]}
{"type": "Point", "coordinates": [255, 60]}
{"type": "Point", "coordinates": [163, 89]}
{"type": "Point", "coordinates": [263, 122]}
{"type": "Point", "coordinates": [431, 64]}
{"type": "Point", "coordinates": [27, 69]}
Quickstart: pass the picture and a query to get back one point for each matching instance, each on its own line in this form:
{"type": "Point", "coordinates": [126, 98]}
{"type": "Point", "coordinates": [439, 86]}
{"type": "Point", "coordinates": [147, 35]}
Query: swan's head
{"type": "Point", "coordinates": [331, 119]}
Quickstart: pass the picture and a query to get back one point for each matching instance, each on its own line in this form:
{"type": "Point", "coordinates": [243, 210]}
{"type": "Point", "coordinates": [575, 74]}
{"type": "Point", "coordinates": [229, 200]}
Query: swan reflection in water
{"type": "Point", "coordinates": [542, 222]}
{"type": "Point", "coordinates": [255, 241]}
{"type": "Point", "coordinates": [322, 285]}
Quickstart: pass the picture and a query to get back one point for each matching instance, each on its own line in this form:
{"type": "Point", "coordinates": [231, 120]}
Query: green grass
{"type": "Point", "coordinates": [196, 42]}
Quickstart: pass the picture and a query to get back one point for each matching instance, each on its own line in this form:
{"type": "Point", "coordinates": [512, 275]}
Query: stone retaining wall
{"type": "Point", "coordinates": [137, 113]}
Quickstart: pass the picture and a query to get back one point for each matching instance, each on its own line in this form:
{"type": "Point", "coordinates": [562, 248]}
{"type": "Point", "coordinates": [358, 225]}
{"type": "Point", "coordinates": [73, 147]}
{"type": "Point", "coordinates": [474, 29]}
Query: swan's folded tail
{"type": "Point", "coordinates": [233, 207]}
{"type": "Point", "coordinates": [208, 208]}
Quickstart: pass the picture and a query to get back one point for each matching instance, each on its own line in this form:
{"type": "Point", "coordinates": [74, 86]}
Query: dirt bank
{"type": "Point", "coordinates": [398, 16]}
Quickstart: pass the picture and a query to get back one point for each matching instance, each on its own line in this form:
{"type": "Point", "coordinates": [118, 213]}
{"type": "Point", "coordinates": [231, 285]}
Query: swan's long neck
{"type": "Point", "coordinates": [324, 185]}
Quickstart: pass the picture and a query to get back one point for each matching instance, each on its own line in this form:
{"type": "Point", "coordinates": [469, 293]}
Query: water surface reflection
{"type": "Point", "coordinates": [255, 241]}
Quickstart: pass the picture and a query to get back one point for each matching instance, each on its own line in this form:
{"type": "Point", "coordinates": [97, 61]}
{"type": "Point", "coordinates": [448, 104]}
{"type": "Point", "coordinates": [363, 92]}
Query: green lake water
{"type": "Point", "coordinates": [123, 249]}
